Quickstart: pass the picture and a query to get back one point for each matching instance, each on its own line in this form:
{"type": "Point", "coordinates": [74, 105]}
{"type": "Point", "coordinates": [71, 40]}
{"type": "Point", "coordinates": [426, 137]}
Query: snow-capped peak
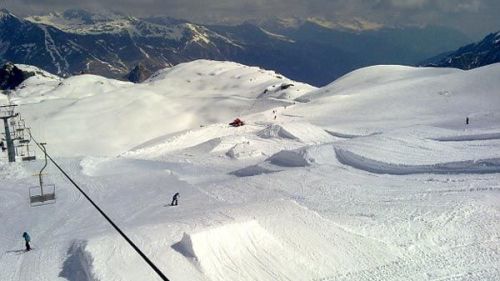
{"type": "Point", "coordinates": [354, 24]}
{"type": "Point", "coordinates": [4, 13]}
{"type": "Point", "coordinates": [84, 22]}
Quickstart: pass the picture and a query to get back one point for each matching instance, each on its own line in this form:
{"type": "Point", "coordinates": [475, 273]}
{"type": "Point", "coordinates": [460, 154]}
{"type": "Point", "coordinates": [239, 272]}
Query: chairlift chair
{"type": "Point", "coordinates": [21, 123]}
{"type": "Point", "coordinates": [29, 155]}
{"type": "Point", "coordinates": [7, 110]}
{"type": "Point", "coordinates": [24, 151]}
{"type": "Point", "coordinates": [22, 137]}
{"type": "Point", "coordinates": [14, 121]}
{"type": "Point", "coordinates": [42, 195]}
{"type": "Point", "coordinates": [45, 193]}
{"type": "Point", "coordinates": [19, 150]}
{"type": "Point", "coordinates": [29, 158]}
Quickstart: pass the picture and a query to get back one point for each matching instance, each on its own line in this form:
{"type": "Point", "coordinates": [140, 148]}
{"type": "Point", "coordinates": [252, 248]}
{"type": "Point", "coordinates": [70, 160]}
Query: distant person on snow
{"type": "Point", "coordinates": [174, 199]}
{"type": "Point", "coordinates": [27, 239]}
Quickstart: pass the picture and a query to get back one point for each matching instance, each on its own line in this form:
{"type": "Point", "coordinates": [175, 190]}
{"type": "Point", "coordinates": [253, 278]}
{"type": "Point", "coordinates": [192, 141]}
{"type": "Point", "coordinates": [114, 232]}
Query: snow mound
{"type": "Point", "coordinates": [244, 150]}
{"type": "Point", "coordinates": [291, 158]}
{"type": "Point", "coordinates": [301, 131]}
{"type": "Point", "coordinates": [242, 251]}
{"type": "Point", "coordinates": [482, 166]}
{"type": "Point", "coordinates": [275, 131]}
{"type": "Point", "coordinates": [303, 157]}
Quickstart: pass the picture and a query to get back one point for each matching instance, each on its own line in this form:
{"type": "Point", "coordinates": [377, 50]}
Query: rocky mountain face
{"type": "Point", "coordinates": [113, 45]}
{"type": "Point", "coordinates": [482, 53]}
{"type": "Point", "coordinates": [139, 74]}
{"type": "Point", "coordinates": [11, 76]}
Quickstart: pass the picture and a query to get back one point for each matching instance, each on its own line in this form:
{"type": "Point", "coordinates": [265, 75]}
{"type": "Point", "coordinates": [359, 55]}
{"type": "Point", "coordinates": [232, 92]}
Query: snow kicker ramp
{"type": "Point", "coordinates": [243, 251]}
{"type": "Point", "coordinates": [483, 166]}
{"type": "Point", "coordinates": [301, 131]}
{"type": "Point", "coordinates": [280, 241]}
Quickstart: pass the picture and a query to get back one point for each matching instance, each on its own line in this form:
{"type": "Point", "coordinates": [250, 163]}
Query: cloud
{"type": "Point", "coordinates": [468, 15]}
{"type": "Point", "coordinates": [408, 4]}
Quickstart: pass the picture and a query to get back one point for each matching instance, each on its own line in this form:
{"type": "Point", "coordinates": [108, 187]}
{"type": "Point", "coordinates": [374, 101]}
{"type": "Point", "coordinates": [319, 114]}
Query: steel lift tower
{"type": "Point", "coordinates": [7, 112]}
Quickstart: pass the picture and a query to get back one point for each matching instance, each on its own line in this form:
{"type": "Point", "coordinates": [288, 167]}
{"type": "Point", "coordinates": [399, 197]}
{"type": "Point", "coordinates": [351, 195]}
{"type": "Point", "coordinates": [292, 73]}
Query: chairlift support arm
{"type": "Point", "coordinates": [42, 146]}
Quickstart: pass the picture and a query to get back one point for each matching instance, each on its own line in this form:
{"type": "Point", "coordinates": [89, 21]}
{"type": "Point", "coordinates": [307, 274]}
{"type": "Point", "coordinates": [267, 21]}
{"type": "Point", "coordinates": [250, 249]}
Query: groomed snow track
{"type": "Point", "coordinates": [476, 137]}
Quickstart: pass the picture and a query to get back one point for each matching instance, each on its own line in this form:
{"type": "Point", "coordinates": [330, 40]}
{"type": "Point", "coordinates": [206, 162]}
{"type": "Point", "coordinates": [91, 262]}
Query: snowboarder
{"type": "Point", "coordinates": [466, 120]}
{"type": "Point", "coordinates": [27, 239]}
{"type": "Point", "coordinates": [174, 199]}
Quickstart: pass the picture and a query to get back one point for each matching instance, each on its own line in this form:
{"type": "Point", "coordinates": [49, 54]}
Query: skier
{"type": "Point", "coordinates": [27, 239]}
{"type": "Point", "coordinates": [466, 120]}
{"type": "Point", "coordinates": [174, 199]}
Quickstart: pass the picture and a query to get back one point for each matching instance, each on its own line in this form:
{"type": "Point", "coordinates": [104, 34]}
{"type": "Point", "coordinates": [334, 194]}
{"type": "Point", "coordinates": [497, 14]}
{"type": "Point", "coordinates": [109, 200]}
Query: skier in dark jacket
{"type": "Point", "coordinates": [174, 199]}
{"type": "Point", "coordinates": [27, 239]}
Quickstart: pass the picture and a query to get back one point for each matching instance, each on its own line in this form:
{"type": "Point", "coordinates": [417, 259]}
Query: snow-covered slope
{"type": "Point", "coordinates": [395, 96]}
{"type": "Point", "coordinates": [373, 177]}
{"type": "Point", "coordinates": [184, 97]}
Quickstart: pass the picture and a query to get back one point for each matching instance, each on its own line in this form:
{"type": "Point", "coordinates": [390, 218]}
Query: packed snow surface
{"type": "Point", "coordinates": [373, 177]}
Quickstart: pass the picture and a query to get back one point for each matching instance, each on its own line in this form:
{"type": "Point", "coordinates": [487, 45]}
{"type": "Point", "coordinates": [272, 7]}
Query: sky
{"type": "Point", "coordinates": [474, 17]}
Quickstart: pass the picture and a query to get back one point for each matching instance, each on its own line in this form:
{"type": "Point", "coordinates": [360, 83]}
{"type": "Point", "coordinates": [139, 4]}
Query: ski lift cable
{"type": "Point", "coordinates": [130, 242]}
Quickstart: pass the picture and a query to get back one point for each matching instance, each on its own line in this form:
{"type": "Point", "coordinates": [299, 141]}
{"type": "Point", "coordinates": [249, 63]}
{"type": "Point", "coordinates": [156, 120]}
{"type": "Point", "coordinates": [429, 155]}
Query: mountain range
{"type": "Point", "coordinates": [310, 50]}
{"type": "Point", "coordinates": [484, 52]}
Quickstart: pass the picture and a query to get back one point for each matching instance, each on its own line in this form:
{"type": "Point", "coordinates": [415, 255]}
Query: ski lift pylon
{"type": "Point", "coordinates": [45, 193]}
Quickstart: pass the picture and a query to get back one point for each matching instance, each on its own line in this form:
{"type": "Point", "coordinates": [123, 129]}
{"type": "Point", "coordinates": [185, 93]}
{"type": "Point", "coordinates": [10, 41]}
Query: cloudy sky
{"type": "Point", "coordinates": [474, 17]}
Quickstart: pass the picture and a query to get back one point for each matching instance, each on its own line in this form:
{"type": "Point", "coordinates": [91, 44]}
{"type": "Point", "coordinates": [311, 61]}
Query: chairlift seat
{"type": "Point", "coordinates": [37, 198]}
{"type": "Point", "coordinates": [29, 158]}
{"type": "Point", "coordinates": [6, 113]}
{"type": "Point", "coordinates": [24, 141]}
{"type": "Point", "coordinates": [42, 198]}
